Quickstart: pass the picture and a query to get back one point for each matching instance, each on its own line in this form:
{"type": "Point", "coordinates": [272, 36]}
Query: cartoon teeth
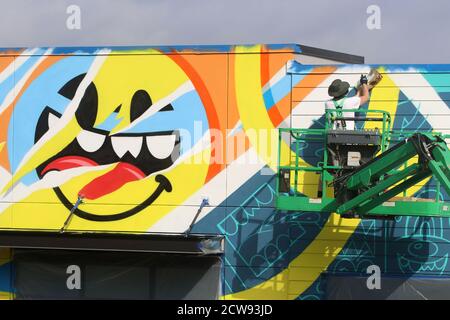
{"type": "Point", "coordinates": [161, 146]}
{"type": "Point", "coordinates": [122, 145]}
{"type": "Point", "coordinates": [90, 141]}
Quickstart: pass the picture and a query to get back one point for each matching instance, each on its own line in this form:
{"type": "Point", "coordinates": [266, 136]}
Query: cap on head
{"type": "Point", "coordinates": [338, 88]}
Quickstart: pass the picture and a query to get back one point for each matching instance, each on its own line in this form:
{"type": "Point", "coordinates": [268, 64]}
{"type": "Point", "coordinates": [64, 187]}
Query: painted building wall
{"type": "Point", "coordinates": [145, 134]}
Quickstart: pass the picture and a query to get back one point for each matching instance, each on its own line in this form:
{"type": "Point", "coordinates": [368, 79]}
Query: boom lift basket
{"type": "Point", "coordinates": [363, 173]}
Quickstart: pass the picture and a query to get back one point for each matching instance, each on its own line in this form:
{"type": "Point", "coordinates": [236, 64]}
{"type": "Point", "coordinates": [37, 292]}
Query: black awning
{"type": "Point", "coordinates": [155, 242]}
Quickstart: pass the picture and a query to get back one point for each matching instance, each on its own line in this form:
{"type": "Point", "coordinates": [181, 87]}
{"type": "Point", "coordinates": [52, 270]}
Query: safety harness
{"type": "Point", "coordinates": [339, 105]}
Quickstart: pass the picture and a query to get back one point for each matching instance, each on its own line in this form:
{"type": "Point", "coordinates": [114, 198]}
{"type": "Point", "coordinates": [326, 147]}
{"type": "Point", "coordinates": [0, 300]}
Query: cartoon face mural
{"type": "Point", "coordinates": [135, 156]}
{"type": "Point", "coordinates": [100, 133]}
{"type": "Point", "coordinates": [123, 129]}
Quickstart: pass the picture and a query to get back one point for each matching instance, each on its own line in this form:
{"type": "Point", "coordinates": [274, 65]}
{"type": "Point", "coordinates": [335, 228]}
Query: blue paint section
{"type": "Point", "coordinates": [280, 89]}
{"type": "Point", "coordinates": [209, 224]}
{"type": "Point", "coordinates": [5, 277]}
{"type": "Point", "coordinates": [409, 117]}
{"type": "Point", "coordinates": [311, 150]}
{"type": "Point", "coordinates": [440, 82]}
{"type": "Point", "coordinates": [405, 246]}
{"type": "Point", "coordinates": [41, 93]}
{"type": "Point", "coordinates": [445, 96]}
{"type": "Point", "coordinates": [430, 191]}
{"type": "Point", "coordinates": [295, 67]}
{"type": "Point", "coordinates": [110, 123]}
{"type": "Point", "coordinates": [418, 245]}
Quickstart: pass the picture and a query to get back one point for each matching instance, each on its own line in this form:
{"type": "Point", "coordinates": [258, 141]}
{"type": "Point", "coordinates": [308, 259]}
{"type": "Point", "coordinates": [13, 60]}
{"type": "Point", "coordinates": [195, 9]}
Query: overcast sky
{"type": "Point", "coordinates": [412, 31]}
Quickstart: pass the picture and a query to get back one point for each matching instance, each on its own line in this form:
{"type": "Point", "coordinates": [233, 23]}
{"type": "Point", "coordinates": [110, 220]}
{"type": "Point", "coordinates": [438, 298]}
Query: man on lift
{"type": "Point", "coordinates": [339, 90]}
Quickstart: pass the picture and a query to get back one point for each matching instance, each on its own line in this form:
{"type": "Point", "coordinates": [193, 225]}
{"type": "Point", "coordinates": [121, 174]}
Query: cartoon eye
{"type": "Point", "coordinates": [122, 145]}
{"type": "Point", "coordinates": [87, 110]}
{"type": "Point", "coordinates": [161, 146]}
{"type": "Point", "coordinates": [140, 102]}
{"type": "Point", "coordinates": [90, 141]}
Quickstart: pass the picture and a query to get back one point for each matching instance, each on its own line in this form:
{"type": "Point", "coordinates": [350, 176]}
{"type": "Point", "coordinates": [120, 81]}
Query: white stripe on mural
{"type": "Point", "coordinates": [418, 88]}
{"type": "Point", "coordinates": [274, 80]}
{"type": "Point", "coordinates": [12, 94]}
{"type": "Point", "coordinates": [17, 63]}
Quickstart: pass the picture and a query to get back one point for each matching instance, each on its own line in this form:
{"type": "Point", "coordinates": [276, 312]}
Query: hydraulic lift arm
{"type": "Point", "coordinates": [376, 182]}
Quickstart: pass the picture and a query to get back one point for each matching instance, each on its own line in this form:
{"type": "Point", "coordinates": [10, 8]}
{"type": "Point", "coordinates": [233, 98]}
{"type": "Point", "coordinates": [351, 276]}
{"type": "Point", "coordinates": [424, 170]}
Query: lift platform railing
{"type": "Point", "coordinates": [366, 116]}
{"type": "Point", "coordinates": [292, 170]}
{"type": "Point", "coordinates": [299, 139]}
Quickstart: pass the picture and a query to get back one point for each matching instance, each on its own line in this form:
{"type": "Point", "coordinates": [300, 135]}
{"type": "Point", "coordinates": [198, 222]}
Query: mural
{"type": "Point", "coordinates": [143, 135]}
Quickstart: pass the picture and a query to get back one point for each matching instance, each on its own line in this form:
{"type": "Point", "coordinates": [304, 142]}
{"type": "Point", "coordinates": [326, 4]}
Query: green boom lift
{"type": "Point", "coordinates": [359, 176]}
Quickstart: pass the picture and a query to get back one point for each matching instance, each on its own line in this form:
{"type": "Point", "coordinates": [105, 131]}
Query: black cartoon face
{"type": "Point", "coordinates": [136, 155]}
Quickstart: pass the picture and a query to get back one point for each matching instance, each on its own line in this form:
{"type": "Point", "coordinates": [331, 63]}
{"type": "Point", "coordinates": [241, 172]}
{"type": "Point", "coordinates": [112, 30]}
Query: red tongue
{"type": "Point", "coordinates": [114, 179]}
{"type": "Point", "coordinates": [111, 181]}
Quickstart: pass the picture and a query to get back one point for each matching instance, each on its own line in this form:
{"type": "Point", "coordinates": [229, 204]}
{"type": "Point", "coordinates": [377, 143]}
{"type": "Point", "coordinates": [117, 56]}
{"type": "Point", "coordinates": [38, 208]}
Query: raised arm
{"type": "Point", "coordinates": [365, 87]}
{"type": "Point", "coordinates": [363, 93]}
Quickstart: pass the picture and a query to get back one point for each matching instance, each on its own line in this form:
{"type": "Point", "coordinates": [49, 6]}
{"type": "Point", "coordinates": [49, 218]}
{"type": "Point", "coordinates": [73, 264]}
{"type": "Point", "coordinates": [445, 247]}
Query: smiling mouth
{"type": "Point", "coordinates": [121, 174]}
{"type": "Point", "coordinates": [163, 185]}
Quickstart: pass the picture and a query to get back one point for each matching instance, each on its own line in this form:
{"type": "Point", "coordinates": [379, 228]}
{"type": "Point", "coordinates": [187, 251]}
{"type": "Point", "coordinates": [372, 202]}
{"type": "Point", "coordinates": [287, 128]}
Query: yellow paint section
{"type": "Point", "coordinates": [5, 296]}
{"type": "Point", "coordinates": [2, 145]}
{"type": "Point", "coordinates": [121, 76]}
{"type": "Point", "coordinates": [384, 99]}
